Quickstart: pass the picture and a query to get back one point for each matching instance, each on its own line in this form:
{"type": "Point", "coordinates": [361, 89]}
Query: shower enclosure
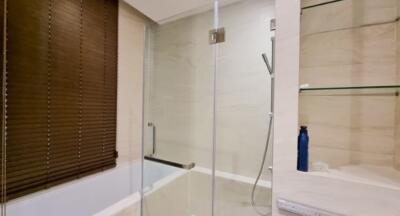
{"type": "Point", "coordinates": [208, 112]}
{"type": "Point", "coordinates": [107, 113]}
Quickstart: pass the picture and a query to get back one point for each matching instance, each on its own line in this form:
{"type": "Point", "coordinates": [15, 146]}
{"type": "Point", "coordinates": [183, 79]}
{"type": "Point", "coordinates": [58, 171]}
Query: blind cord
{"type": "Point", "coordinates": [4, 115]}
{"type": "Point", "coordinates": [49, 76]}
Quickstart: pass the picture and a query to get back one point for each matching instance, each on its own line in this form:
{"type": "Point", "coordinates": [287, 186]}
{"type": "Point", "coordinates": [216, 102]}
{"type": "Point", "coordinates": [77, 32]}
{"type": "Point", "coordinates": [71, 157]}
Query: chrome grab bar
{"type": "Point", "coordinates": [152, 157]}
{"type": "Point", "coordinates": [170, 163]}
{"type": "Point", "coordinates": [150, 124]}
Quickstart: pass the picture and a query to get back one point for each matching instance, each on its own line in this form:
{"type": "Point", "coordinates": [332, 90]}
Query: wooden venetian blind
{"type": "Point", "coordinates": [61, 91]}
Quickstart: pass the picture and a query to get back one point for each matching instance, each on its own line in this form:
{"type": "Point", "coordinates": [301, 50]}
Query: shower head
{"type": "Point", "coordinates": [264, 56]}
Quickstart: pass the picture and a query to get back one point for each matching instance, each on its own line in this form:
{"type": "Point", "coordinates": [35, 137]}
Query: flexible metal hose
{"type": "Point", "coordinates": [253, 200]}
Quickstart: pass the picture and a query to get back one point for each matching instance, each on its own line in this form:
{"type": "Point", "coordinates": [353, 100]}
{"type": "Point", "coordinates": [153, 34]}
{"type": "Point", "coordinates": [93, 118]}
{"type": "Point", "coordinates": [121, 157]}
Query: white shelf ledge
{"type": "Point", "coordinates": [381, 176]}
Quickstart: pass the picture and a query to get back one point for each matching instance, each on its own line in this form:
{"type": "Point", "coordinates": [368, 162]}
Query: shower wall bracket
{"type": "Point", "coordinates": [272, 26]}
{"type": "Point", "coordinates": [217, 36]}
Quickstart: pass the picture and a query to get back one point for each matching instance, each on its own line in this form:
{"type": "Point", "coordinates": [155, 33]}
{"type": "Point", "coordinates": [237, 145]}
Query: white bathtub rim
{"type": "Point", "coordinates": [121, 205]}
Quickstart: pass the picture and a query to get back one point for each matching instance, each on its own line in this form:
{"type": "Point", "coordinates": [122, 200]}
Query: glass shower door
{"type": "Point", "coordinates": [178, 116]}
{"type": "Point", "coordinates": [244, 109]}
{"type": "Point", "coordinates": [208, 113]}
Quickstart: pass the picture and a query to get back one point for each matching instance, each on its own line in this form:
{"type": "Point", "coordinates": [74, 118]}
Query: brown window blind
{"type": "Point", "coordinates": [61, 91]}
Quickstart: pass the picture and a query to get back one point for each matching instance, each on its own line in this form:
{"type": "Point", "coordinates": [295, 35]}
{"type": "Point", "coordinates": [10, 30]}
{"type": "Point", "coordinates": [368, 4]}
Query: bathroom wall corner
{"type": "Point", "coordinates": [397, 136]}
{"type": "Point", "coordinates": [306, 188]}
{"type": "Point", "coordinates": [131, 50]}
{"type": "Point", "coordinates": [397, 126]}
{"type": "Point", "coordinates": [287, 83]}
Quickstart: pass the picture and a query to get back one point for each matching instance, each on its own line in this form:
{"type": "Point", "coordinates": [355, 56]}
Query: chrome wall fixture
{"type": "Point", "coordinates": [154, 142]}
{"type": "Point", "coordinates": [217, 36]}
{"type": "Point", "coordinates": [271, 69]}
{"type": "Point", "coordinates": [153, 155]}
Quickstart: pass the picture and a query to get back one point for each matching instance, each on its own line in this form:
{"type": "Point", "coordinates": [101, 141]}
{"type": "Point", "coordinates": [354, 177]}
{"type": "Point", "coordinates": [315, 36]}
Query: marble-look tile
{"type": "Point", "coordinates": [131, 37]}
{"type": "Point", "coordinates": [397, 132]}
{"type": "Point", "coordinates": [181, 88]}
{"type": "Point", "coordinates": [306, 3]}
{"type": "Point", "coordinates": [349, 75]}
{"type": "Point", "coordinates": [361, 125]}
{"type": "Point", "coordinates": [346, 14]}
{"type": "Point", "coordinates": [369, 109]}
{"type": "Point", "coordinates": [350, 127]}
{"type": "Point", "coordinates": [344, 196]}
{"type": "Point", "coordinates": [397, 143]}
{"type": "Point", "coordinates": [336, 158]}
{"type": "Point", "coordinates": [369, 48]}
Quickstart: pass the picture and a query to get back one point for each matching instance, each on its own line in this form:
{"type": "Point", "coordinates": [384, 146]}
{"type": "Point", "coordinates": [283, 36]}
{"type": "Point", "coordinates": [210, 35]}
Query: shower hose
{"type": "Point", "coordinates": [253, 199]}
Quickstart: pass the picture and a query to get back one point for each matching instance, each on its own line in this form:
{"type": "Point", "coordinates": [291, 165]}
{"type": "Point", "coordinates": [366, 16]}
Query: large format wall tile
{"type": "Point", "coordinates": [346, 14]}
{"type": "Point", "coordinates": [337, 158]}
{"type": "Point", "coordinates": [131, 39]}
{"type": "Point", "coordinates": [362, 124]}
{"type": "Point", "coordinates": [397, 132]}
{"type": "Point", "coordinates": [181, 88]}
{"type": "Point", "coordinates": [397, 143]}
{"type": "Point", "coordinates": [350, 57]}
{"type": "Point", "coordinates": [359, 126]}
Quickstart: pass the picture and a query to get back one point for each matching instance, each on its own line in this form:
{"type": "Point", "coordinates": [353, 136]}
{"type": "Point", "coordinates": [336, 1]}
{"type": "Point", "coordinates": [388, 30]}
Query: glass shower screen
{"type": "Point", "coordinates": [207, 106]}
{"type": "Point", "coordinates": [178, 114]}
{"type": "Point", "coordinates": [244, 109]}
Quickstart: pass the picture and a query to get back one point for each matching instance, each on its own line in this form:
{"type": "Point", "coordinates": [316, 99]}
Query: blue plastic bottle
{"type": "Point", "coordinates": [302, 150]}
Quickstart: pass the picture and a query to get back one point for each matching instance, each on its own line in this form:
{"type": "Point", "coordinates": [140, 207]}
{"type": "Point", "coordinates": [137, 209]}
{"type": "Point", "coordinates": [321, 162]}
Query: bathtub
{"type": "Point", "coordinates": [83, 197]}
{"type": "Point", "coordinates": [178, 192]}
{"type": "Point", "coordinates": [156, 176]}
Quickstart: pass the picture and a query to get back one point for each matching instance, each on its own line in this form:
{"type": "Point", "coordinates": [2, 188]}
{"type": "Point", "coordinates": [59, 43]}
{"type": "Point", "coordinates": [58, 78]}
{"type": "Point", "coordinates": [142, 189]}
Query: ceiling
{"type": "Point", "coordinates": [162, 11]}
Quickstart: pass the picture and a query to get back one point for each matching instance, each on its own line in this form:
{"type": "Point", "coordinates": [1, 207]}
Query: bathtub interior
{"type": "Point", "coordinates": [130, 204]}
{"type": "Point", "coordinates": [190, 194]}
{"type": "Point", "coordinates": [184, 192]}
{"type": "Point", "coordinates": [155, 173]}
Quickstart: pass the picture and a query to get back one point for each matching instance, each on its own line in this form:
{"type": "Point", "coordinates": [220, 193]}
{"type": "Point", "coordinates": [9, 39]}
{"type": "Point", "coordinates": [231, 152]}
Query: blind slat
{"type": "Point", "coordinates": [61, 91]}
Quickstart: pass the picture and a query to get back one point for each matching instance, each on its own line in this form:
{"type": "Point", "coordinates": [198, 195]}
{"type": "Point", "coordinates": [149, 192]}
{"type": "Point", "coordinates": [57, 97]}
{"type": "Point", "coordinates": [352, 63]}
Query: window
{"type": "Point", "coordinates": [61, 91]}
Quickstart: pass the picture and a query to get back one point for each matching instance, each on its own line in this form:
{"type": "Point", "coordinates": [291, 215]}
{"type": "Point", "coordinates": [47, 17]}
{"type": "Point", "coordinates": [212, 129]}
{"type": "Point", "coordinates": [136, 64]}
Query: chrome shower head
{"type": "Point", "coordinates": [264, 56]}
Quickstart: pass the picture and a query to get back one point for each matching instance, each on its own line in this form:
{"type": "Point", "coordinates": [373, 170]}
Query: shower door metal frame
{"type": "Point", "coordinates": [214, 127]}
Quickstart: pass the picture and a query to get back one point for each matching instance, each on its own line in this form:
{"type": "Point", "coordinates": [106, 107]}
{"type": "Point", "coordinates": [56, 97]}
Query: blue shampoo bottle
{"type": "Point", "coordinates": [302, 150]}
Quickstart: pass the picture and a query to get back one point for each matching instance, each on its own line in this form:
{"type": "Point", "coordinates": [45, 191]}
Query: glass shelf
{"type": "Point", "coordinates": [381, 90]}
{"type": "Point", "coordinates": [304, 89]}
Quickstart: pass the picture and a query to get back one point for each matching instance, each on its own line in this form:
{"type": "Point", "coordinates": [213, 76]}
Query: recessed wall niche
{"type": "Point", "coordinates": [349, 93]}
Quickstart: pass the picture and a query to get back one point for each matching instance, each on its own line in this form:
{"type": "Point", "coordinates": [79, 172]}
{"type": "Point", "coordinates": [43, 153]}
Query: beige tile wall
{"type": "Point", "coordinates": [181, 88]}
{"type": "Point", "coordinates": [131, 40]}
{"type": "Point", "coordinates": [350, 127]}
{"type": "Point", "coordinates": [346, 14]}
{"type": "Point", "coordinates": [397, 144]}
{"type": "Point", "coordinates": [355, 56]}
{"type": "Point", "coordinates": [333, 194]}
